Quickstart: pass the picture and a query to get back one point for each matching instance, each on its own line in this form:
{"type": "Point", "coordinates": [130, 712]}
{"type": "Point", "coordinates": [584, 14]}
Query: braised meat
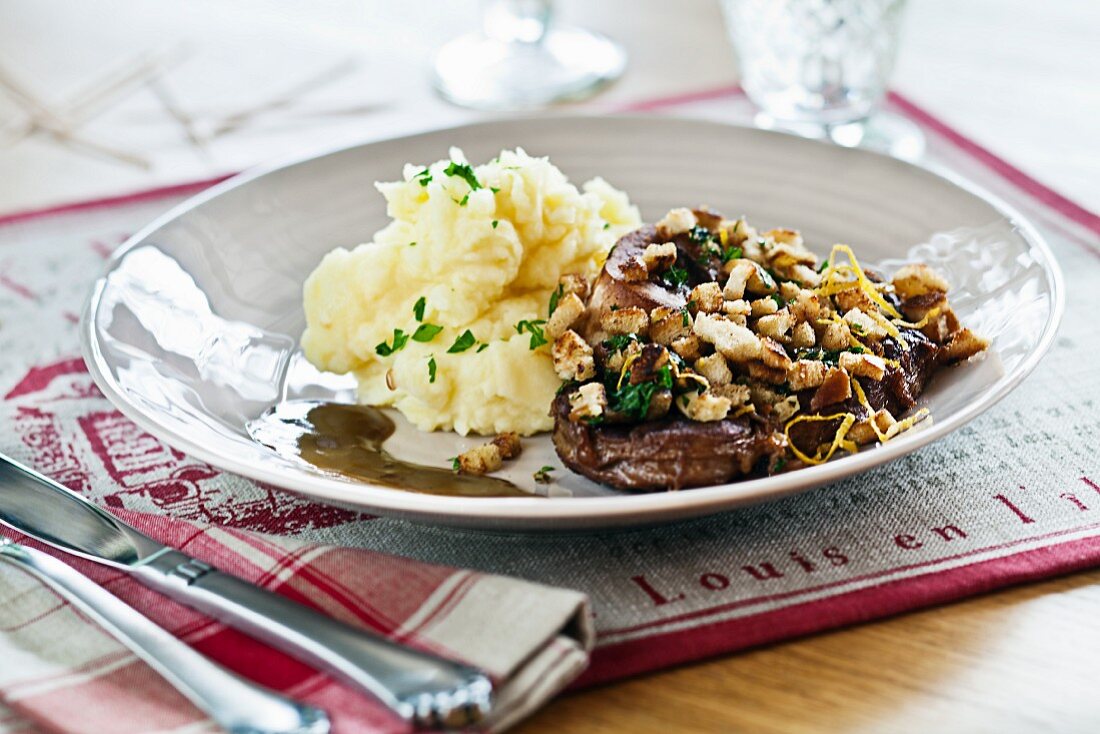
{"type": "Point", "coordinates": [670, 453]}
{"type": "Point", "coordinates": [708, 352]}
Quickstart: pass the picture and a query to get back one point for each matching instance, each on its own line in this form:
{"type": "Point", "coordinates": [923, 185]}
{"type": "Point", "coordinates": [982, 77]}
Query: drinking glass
{"type": "Point", "coordinates": [520, 59]}
{"type": "Point", "coordinates": [820, 68]}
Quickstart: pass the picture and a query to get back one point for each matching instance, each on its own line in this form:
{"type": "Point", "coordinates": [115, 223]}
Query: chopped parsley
{"type": "Point", "coordinates": [555, 298]}
{"type": "Point", "coordinates": [431, 369]}
{"type": "Point", "coordinates": [481, 348]}
{"type": "Point", "coordinates": [412, 244]}
{"type": "Point", "coordinates": [675, 277]}
{"type": "Point", "coordinates": [418, 308]}
{"type": "Point", "coordinates": [424, 177]}
{"type": "Point", "coordinates": [542, 476]}
{"type": "Point", "coordinates": [494, 189]}
{"type": "Point", "coordinates": [400, 339]}
{"type": "Point", "coordinates": [700, 235]}
{"type": "Point", "coordinates": [779, 465]}
{"type": "Point", "coordinates": [455, 466]}
{"type": "Point", "coordinates": [778, 300]}
{"type": "Point", "coordinates": [732, 253]}
{"type": "Point", "coordinates": [686, 313]}
{"type": "Point", "coordinates": [664, 377]}
{"type": "Point", "coordinates": [607, 225]}
{"type": "Point", "coordinates": [858, 329]}
{"type": "Point", "coordinates": [534, 328]}
{"type": "Point", "coordinates": [821, 268]}
{"type": "Point", "coordinates": [464, 341]}
{"type": "Point", "coordinates": [619, 342]}
{"type": "Point", "coordinates": [426, 332]}
{"type": "Point", "coordinates": [463, 171]}
{"type": "Point", "coordinates": [462, 201]}
{"type": "Point", "coordinates": [634, 400]}
{"type": "Point", "coordinates": [495, 223]}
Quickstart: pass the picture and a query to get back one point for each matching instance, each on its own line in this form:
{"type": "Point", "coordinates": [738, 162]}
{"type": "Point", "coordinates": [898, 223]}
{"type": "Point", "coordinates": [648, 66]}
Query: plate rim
{"type": "Point", "coordinates": [535, 513]}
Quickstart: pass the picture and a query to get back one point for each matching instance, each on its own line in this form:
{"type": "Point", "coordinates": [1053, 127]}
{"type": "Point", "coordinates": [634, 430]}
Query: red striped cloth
{"type": "Point", "coordinates": [60, 672]}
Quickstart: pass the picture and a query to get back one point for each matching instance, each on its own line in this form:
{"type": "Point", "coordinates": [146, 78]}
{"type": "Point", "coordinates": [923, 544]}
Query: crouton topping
{"type": "Point", "coordinates": [863, 365]}
{"type": "Point", "coordinates": [743, 322]}
{"type": "Point", "coordinates": [703, 407]}
{"type": "Point", "coordinates": [480, 460]}
{"type": "Point", "coordinates": [488, 457]}
{"type": "Point", "coordinates": [630, 320]}
{"type": "Point", "coordinates": [735, 343]}
{"type": "Point", "coordinates": [659, 257]}
{"type": "Point", "coordinates": [677, 221]}
{"type": "Point", "coordinates": [806, 373]}
{"type": "Point", "coordinates": [508, 444]}
{"type": "Point", "coordinates": [588, 401]}
{"type": "Point", "coordinates": [707, 297]}
{"type": "Point", "coordinates": [568, 310]}
{"type": "Point", "coordinates": [573, 357]}
{"type": "Point", "coordinates": [917, 280]}
{"type": "Point", "coordinates": [634, 270]}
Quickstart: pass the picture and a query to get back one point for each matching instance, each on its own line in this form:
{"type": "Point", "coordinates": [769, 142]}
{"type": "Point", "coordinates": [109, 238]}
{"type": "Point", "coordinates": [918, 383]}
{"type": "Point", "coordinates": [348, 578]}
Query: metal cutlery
{"type": "Point", "coordinates": [236, 704]}
{"type": "Point", "coordinates": [423, 689]}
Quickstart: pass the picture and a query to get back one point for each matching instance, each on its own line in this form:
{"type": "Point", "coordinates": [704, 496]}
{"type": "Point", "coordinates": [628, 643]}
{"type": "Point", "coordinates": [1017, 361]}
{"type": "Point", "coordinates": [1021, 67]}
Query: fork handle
{"type": "Point", "coordinates": [236, 704]}
{"type": "Point", "coordinates": [423, 689]}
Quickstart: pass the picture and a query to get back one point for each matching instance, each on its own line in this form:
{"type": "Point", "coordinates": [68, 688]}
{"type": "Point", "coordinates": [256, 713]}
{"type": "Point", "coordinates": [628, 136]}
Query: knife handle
{"type": "Point", "coordinates": [236, 704]}
{"type": "Point", "coordinates": [423, 689]}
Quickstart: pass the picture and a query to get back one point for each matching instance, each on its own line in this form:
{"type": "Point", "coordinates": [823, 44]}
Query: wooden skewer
{"type": "Point", "coordinates": [45, 119]}
{"type": "Point", "coordinates": [182, 118]}
{"type": "Point", "coordinates": [288, 97]}
{"type": "Point", "coordinates": [146, 67]}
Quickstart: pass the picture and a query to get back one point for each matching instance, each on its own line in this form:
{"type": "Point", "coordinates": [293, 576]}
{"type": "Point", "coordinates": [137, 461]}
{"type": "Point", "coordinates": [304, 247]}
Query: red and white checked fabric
{"type": "Point", "coordinates": [1012, 497]}
{"type": "Point", "coordinates": [60, 672]}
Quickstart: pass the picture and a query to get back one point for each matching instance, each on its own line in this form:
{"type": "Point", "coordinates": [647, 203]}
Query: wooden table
{"type": "Point", "coordinates": [1022, 660]}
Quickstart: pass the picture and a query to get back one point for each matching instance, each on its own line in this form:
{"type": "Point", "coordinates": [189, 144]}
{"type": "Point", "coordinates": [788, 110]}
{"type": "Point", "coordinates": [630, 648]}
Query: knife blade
{"type": "Point", "coordinates": [424, 689]}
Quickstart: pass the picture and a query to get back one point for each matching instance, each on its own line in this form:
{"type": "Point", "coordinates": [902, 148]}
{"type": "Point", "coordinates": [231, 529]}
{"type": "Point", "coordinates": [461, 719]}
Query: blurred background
{"type": "Point", "coordinates": [119, 95]}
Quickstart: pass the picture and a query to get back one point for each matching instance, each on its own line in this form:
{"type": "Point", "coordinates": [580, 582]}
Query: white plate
{"type": "Point", "coordinates": [193, 329]}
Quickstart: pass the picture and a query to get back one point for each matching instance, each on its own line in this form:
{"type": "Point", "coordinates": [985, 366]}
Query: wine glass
{"type": "Point", "coordinates": [820, 68]}
{"type": "Point", "coordinates": [520, 60]}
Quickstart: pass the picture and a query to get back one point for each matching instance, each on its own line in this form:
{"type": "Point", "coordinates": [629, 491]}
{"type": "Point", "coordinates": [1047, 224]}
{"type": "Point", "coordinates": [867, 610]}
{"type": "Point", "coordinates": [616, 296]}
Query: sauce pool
{"type": "Point", "coordinates": [348, 440]}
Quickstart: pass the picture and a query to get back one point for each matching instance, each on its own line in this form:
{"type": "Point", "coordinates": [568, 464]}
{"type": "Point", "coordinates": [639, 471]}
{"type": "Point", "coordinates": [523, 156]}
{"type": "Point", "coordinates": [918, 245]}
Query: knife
{"type": "Point", "coordinates": [239, 706]}
{"type": "Point", "coordinates": [423, 689]}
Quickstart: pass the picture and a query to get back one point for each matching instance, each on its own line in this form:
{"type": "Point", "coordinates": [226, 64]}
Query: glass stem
{"type": "Point", "coordinates": [517, 21]}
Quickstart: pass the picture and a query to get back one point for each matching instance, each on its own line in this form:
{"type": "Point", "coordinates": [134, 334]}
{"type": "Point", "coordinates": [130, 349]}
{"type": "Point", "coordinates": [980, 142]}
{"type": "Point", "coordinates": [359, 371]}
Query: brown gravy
{"type": "Point", "coordinates": [347, 439]}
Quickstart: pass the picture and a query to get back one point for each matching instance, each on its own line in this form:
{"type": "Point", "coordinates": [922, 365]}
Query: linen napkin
{"type": "Point", "coordinates": [60, 672]}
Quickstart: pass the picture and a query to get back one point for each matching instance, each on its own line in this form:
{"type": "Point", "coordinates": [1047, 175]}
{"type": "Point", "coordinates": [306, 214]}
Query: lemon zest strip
{"type": "Point", "coordinates": [919, 324]}
{"type": "Point", "coordinates": [838, 439]}
{"type": "Point", "coordinates": [905, 425]}
{"type": "Point", "coordinates": [626, 367]}
{"type": "Point", "coordinates": [861, 277]}
{"type": "Point", "coordinates": [871, 412]}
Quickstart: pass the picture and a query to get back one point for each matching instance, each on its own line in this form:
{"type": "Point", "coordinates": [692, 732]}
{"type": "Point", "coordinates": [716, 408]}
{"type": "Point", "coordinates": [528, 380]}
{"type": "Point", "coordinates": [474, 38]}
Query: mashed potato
{"type": "Point", "coordinates": [484, 249]}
